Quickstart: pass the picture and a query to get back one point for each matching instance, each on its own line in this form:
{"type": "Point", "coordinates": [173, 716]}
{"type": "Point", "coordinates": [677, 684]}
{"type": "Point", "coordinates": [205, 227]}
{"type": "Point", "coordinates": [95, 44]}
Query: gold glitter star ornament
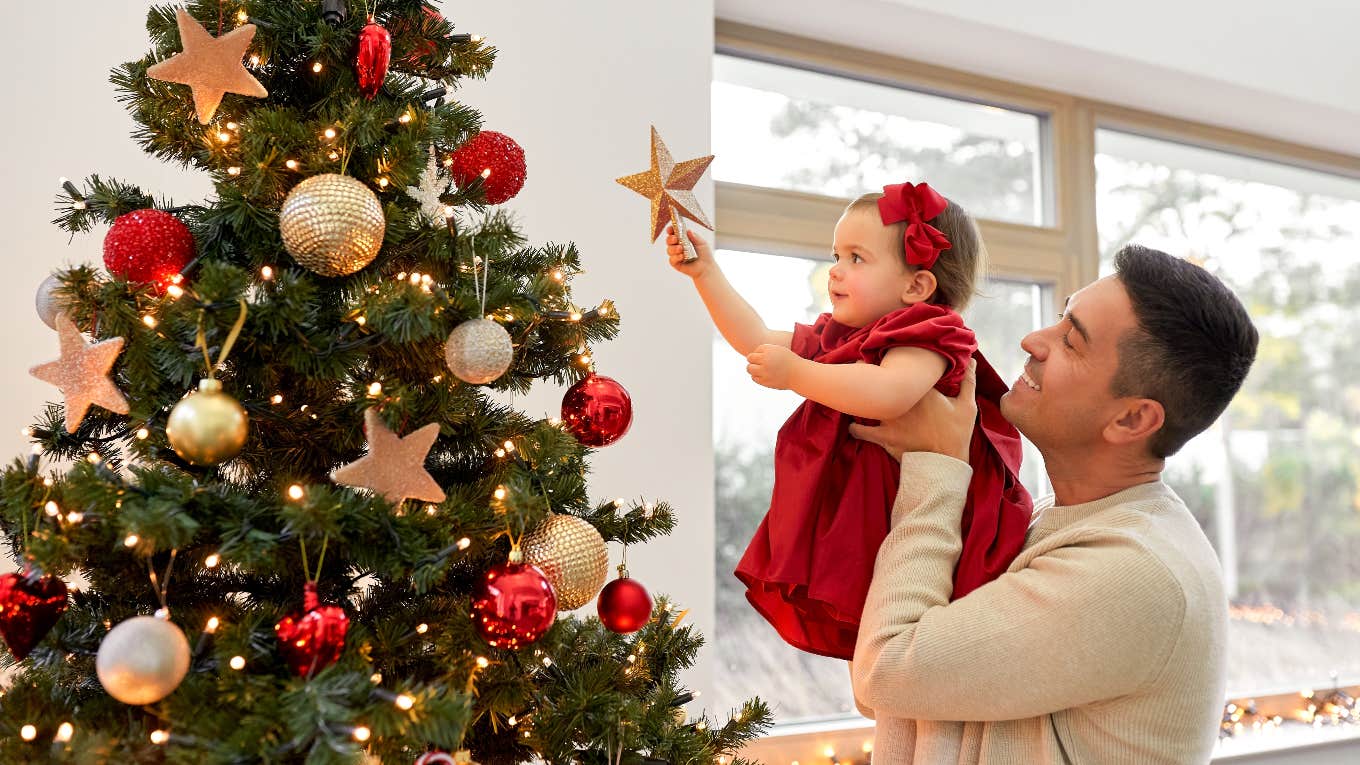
{"type": "Point", "coordinates": [395, 465]}
{"type": "Point", "coordinates": [82, 373]}
{"type": "Point", "coordinates": [210, 66]}
{"type": "Point", "coordinates": [670, 187]}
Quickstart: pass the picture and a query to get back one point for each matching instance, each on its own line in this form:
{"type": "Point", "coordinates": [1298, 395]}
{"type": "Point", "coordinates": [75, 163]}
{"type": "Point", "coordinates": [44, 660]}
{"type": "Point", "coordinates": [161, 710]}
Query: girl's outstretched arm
{"type": "Point", "coordinates": [740, 325]}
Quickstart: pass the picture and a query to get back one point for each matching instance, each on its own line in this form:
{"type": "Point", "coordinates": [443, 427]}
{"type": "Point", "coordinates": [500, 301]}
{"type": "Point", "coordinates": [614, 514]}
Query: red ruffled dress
{"type": "Point", "coordinates": [807, 569]}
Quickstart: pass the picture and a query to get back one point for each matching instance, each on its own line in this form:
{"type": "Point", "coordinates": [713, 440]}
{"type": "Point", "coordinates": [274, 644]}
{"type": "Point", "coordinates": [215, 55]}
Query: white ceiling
{"type": "Point", "coordinates": [1287, 70]}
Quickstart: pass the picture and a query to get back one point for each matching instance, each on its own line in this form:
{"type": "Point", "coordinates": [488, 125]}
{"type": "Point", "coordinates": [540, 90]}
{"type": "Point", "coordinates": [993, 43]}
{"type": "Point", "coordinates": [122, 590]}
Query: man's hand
{"type": "Point", "coordinates": [936, 424]}
{"type": "Point", "coordinates": [772, 366]}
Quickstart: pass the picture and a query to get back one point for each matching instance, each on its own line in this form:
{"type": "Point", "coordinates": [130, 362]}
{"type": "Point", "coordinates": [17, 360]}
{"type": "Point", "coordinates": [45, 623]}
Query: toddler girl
{"type": "Point", "coordinates": [906, 261]}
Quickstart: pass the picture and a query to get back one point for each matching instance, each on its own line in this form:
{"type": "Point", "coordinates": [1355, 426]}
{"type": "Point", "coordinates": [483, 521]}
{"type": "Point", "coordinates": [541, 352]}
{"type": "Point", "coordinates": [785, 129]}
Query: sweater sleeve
{"type": "Point", "coordinates": [1093, 619]}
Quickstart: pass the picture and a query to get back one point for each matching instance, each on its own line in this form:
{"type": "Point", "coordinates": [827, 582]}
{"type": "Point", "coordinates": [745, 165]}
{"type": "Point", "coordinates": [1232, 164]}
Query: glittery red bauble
{"type": "Point", "coordinates": [624, 605]}
{"type": "Point", "coordinates": [421, 53]}
{"type": "Point", "coordinates": [597, 410]}
{"type": "Point", "coordinates": [436, 757]}
{"type": "Point", "coordinates": [147, 246]}
{"type": "Point", "coordinates": [494, 158]}
{"type": "Point", "coordinates": [513, 605]}
{"type": "Point", "coordinates": [314, 638]}
{"type": "Point", "coordinates": [375, 53]}
{"type": "Point", "coordinates": [29, 606]}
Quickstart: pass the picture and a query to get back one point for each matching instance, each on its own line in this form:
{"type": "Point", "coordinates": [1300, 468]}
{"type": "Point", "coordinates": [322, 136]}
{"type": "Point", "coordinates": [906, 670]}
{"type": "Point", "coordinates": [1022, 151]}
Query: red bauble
{"type": "Point", "coordinates": [436, 757]}
{"type": "Point", "coordinates": [624, 605]}
{"type": "Point", "coordinates": [148, 246]}
{"type": "Point", "coordinates": [29, 606]}
{"type": "Point", "coordinates": [513, 605]}
{"type": "Point", "coordinates": [314, 638]}
{"type": "Point", "coordinates": [375, 53]}
{"type": "Point", "coordinates": [597, 410]}
{"type": "Point", "coordinates": [495, 159]}
{"type": "Point", "coordinates": [422, 52]}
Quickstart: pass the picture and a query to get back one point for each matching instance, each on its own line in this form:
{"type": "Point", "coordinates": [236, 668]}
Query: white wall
{"type": "Point", "coordinates": [577, 86]}
{"type": "Point", "coordinates": [1287, 70]}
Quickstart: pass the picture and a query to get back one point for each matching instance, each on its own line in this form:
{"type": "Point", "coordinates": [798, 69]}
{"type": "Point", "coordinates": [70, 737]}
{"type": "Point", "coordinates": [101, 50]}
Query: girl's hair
{"type": "Point", "coordinates": [958, 268]}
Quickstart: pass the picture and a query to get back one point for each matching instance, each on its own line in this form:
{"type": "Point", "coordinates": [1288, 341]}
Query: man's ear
{"type": "Point", "coordinates": [919, 287]}
{"type": "Point", "coordinates": [1140, 419]}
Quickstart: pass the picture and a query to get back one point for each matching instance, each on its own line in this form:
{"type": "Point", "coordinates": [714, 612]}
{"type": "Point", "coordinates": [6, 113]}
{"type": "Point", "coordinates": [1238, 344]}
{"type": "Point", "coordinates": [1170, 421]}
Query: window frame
{"type": "Point", "coordinates": [1062, 255]}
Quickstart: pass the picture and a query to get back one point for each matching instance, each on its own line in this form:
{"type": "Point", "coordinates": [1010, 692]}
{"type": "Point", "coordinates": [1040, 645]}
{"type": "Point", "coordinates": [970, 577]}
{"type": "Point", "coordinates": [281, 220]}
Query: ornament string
{"type": "Point", "coordinates": [202, 340]}
{"type": "Point", "coordinates": [307, 574]}
{"type": "Point", "coordinates": [479, 287]}
{"type": "Point", "coordinates": [162, 585]}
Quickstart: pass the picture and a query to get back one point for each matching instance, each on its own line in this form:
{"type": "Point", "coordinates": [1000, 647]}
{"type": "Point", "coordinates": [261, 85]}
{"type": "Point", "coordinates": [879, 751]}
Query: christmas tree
{"type": "Point", "coordinates": [340, 545]}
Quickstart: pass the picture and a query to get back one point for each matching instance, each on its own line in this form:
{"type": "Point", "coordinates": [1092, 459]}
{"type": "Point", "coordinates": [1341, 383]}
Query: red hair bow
{"type": "Point", "coordinates": [915, 205]}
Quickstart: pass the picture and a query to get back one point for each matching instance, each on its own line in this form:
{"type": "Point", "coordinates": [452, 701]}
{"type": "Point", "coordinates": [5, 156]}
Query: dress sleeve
{"type": "Point", "coordinates": [932, 327]}
{"type": "Point", "coordinates": [807, 338]}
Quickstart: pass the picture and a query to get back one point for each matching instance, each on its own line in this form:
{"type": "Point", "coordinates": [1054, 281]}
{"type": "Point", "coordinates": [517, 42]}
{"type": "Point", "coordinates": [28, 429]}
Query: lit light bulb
{"type": "Point", "coordinates": [175, 291]}
{"type": "Point", "coordinates": [159, 737]}
{"type": "Point", "coordinates": [362, 733]}
{"type": "Point", "coordinates": [316, 68]}
{"type": "Point", "coordinates": [464, 543]}
{"type": "Point", "coordinates": [422, 628]}
{"type": "Point", "coordinates": [131, 540]}
{"type": "Point", "coordinates": [295, 492]}
{"type": "Point", "coordinates": [482, 662]}
{"type": "Point", "coordinates": [329, 133]}
{"type": "Point", "coordinates": [291, 164]}
{"type": "Point", "coordinates": [233, 171]}
{"type": "Point", "coordinates": [374, 389]}
{"type": "Point", "coordinates": [223, 136]}
{"type": "Point", "coordinates": [51, 509]}
{"type": "Point", "coordinates": [149, 321]}
{"type": "Point", "coordinates": [254, 59]}
{"type": "Point", "coordinates": [64, 732]}
{"type": "Point", "coordinates": [28, 733]}
{"type": "Point", "coordinates": [211, 626]}
{"type": "Point", "coordinates": [75, 516]}
{"type": "Point", "coordinates": [238, 663]}
{"type": "Point", "coordinates": [242, 16]}
{"type": "Point", "coordinates": [212, 560]}
{"type": "Point", "coordinates": [266, 273]}
{"type": "Point", "coordinates": [276, 399]}
{"type": "Point", "coordinates": [405, 702]}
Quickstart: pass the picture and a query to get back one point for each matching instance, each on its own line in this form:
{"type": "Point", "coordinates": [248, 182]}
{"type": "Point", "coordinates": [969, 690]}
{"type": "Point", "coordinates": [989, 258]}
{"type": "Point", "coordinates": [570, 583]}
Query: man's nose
{"type": "Point", "coordinates": [1035, 345]}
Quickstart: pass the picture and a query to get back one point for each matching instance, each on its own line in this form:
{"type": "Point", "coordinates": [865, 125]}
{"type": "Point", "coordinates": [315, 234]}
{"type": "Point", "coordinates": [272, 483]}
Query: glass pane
{"type": "Point", "coordinates": [747, 418]}
{"type": "Point", "coordinates": [1276, 482]}
{"type": "Point", "coordinates": [787, 128]}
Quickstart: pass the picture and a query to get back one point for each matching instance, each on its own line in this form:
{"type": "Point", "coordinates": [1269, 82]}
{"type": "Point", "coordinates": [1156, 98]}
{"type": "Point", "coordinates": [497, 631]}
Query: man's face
{"type": "Point", "coordinates": [1062, 400]}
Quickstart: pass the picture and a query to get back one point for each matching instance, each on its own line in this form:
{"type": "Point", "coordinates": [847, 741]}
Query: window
{"type": "Point", "coordinates": [1276, 482]}
{"type": "Point", "coordinates": [787, 128]}
{"type": "Point", "coordinates": [752, 658]}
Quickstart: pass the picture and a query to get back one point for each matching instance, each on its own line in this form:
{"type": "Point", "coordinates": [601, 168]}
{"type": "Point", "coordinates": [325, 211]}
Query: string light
{"type": "Point", "coordinates": [233, 171]}
{"type": "Point", "coordinates": [28, 733]}
{"type": "Point", "coordinates": [295, 492]}
{"type": "Point", "coordinates": [422, 628]}
{"type": "Point", "coordinates": [232, 126]}
{"type": "Point", "coordinates": [361, 320]}
{"type": "Point", "coordinates": [131, 540]}
{"type": "Point", "coordinates": [149, 321]}
{"type": "Point", "coordinates": [557, 275]}
{"type": "Point", "coordinates": [276, 399]}
{"type": "Point", "coordinates": [51, 509]}
{"type": "Point", "coordinates": [316, 68]}
{"type": "Point", "coordinates": [362, 733]}
{"type": "Point", "coordinates": [64, 733]}
{"type": "Point", "coordinates": [212, 560]}
{"type": "Point", "coordinates": [464, 543]}
{"type": "Point", "coordinates": [75, 516]}
{"type": "Point", "coordinates": [143, 434]}
{"type": "Point", "coordinates": [93, 458]}
{"type": "Point", "coordinates": [159, 736]}
{"type": "Point", "coordinates": [291, 164]}
{"type": "Point", "coordinates": [382, 182]}
{"type": "Point", "coordinates": [211, 626]}
{"type": "Point", "coordinates": [375, 678]}
{"type": "Point", "coordinates": [404, 118]}
{"type": "Point", "coordinates": [47, 481]}
{"type": "Point", "coordinates": [482, 663]}
{"type": "Point", "coordinates": [486, 173]}
{"type": "Point", "coordinates": [223, 136]}
{"type": "Point", "coordinates": [237, 663]}
{"type": "Point", "coordinates": [266, 273]}
{"type": "Point", "coordinates": [242, 16]}
{"type": "Point", "coordinates": [500, 492]}
{"type": "Point", "coordinates": [333, 155]}
{"type": "Point", "coordinates": [374, 389]}
{"type": "Point", "coordinates": [254, 59]}
{"type": "Point", "coordinates": [175, 291]}
{"type": "Point", "coordinates": [575, 316]}
{"type": "Point", "coordinates": [329, 134]}
{"type": "Point", "coordinates": [405, 702]}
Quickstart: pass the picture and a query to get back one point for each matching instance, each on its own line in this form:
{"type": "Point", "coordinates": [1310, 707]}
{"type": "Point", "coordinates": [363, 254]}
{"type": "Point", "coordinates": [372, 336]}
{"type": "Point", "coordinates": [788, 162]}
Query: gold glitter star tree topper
{"type": "Point", "coordinates": [210, 66]}
{"type": "Point", "coordinates": [670, 187]}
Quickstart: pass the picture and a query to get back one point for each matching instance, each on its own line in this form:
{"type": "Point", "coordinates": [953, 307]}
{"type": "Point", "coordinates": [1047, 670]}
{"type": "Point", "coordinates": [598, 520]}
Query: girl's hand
{"type": "Point", "coordinates": [772, 366]}
{"type": "Point", "coordinates": [695, 268]}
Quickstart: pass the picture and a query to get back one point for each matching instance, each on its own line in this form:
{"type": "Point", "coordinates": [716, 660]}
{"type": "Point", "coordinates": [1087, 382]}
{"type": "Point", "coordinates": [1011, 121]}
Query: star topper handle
{"type": "Point", "coordinates": [670, 187]}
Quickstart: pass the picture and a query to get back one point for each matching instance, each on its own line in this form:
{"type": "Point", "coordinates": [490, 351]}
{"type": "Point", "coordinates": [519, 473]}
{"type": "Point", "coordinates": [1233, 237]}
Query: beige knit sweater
{"type": "Point", "coordinates": [1103, 643]}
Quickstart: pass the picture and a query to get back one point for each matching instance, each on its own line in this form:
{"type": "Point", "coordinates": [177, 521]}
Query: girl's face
{"type": "Point", "coordinates": [869, 279]}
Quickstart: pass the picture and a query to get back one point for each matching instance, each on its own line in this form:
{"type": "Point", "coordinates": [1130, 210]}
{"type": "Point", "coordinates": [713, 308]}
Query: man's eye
{"type": "Point", "coordinates": [1067, 342]}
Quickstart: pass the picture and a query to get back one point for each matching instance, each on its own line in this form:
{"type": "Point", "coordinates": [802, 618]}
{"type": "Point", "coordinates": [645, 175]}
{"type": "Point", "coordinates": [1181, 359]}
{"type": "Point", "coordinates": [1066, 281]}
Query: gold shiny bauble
{"type": "Point", "coordinates": [332, 224]}
{"type": "Point", "coordinates": [142, 660]}
{"type": "Point", "coordinates": [207, 427]}
{"type": "Point", "coordinates": [573, 556]}
{"type": "Point", "coordinates": [478, 351]}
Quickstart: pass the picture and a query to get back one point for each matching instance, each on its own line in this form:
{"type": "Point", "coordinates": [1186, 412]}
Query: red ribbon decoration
{"type": "Point", "coordinates": [915, 204]}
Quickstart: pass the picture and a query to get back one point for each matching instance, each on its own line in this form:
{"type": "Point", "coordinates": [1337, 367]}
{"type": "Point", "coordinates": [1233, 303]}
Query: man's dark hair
{"type": "Point", "coordinates": [1193, 347]}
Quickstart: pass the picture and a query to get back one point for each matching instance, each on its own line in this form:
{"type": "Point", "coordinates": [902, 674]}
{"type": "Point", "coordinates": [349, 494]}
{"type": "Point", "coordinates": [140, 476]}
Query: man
{"type": "Point", "coordinates": [1104, 641]}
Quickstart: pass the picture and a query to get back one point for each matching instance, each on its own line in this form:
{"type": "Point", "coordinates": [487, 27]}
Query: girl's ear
{"type": "Point", "coordinates": [919, 287]}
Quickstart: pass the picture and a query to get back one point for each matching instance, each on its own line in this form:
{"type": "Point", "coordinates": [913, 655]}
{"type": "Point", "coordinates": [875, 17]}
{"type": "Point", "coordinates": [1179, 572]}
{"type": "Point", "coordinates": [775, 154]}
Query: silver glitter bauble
{"type": "Point", "coordinates": [142, 660]}
{"type": "Point", "coordinates": [478, 351]}
{"type": "Point", "coordinates": [573, 556]}
{"type": "Point", "coordinates": [332, 224]}
{"type": "Point", "coordinates": [46, 301]}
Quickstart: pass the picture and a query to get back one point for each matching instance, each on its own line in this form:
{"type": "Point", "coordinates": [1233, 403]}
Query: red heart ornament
{"type": "Point", "coordinates": [314, 638]}
{"type": "Point", "coordinates": [29, 606]}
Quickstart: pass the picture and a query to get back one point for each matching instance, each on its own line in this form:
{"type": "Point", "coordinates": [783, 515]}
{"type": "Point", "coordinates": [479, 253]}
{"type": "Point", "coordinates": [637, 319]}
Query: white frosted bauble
{"type": "Point", "coordinates": [142, 660]}
{"type": "Point", "coordinates": [479, 351]}
{"type": "Point", "coordinates": [46, 301]}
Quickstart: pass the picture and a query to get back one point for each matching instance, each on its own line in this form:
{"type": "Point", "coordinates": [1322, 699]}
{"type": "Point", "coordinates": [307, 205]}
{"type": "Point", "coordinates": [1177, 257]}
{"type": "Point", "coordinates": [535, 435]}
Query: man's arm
{"type": "Point", "coordinates": [1090, 621]}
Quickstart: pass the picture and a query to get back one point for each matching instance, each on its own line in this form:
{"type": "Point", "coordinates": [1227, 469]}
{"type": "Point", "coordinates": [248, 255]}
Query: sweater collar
{"type": "Point", "coordinates": [1050, 516]}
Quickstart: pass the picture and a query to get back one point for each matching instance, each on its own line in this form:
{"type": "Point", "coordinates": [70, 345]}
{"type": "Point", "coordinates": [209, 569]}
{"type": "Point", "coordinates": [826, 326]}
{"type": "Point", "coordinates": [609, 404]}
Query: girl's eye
{"type": "Point", "coordinates": [857, 258]}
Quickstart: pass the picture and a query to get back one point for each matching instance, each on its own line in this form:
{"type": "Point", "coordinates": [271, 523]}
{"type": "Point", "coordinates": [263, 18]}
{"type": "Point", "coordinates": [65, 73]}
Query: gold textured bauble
{"type": "Point", "coordinates": [332, 224]}
{"type": "Point", "coordinates": [479, 351]}
{"type": "Point", "coordinates": [573, 556]}
{"type": "Point", "coordinates": [207, 427]}
{"type": "Point", "coordinates": [142, 660]}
